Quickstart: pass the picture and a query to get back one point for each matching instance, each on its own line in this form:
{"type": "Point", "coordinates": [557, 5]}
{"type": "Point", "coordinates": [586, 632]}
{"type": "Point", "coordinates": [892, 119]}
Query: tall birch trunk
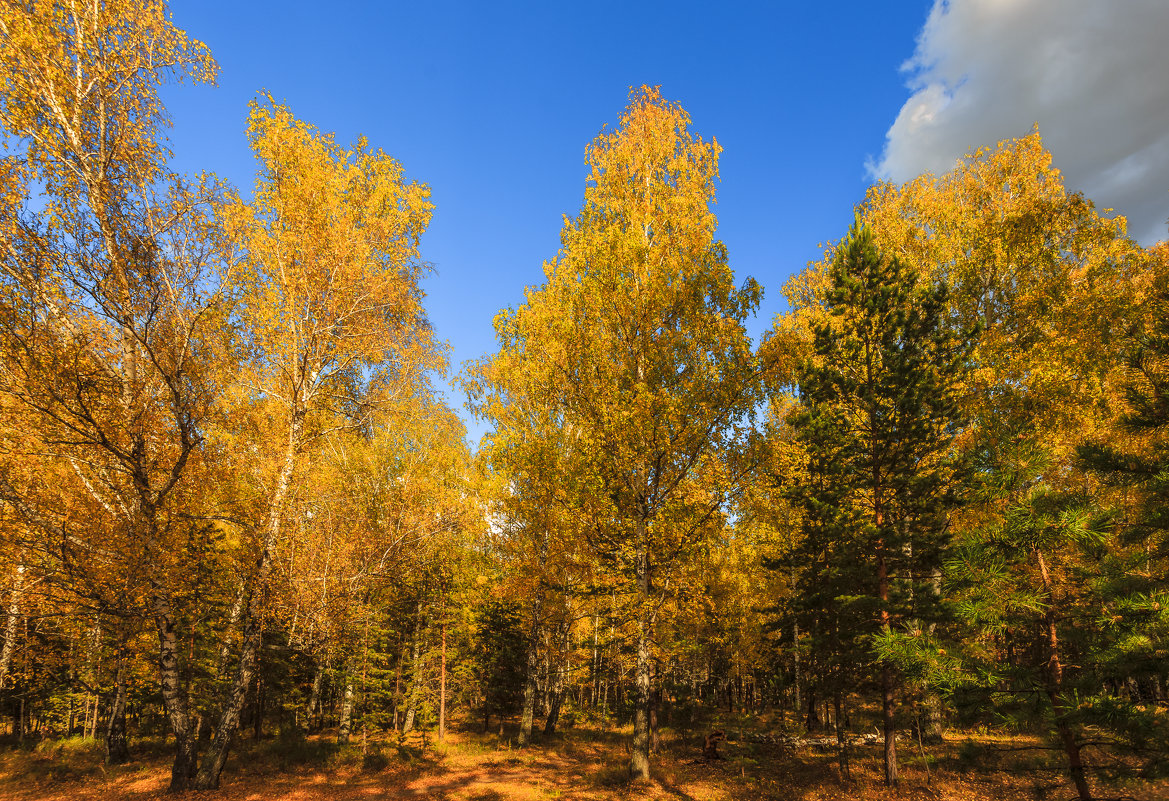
{"type": "Point", "coordinates": [639, 757]}
{"type": "Point", "coordinates": [174, 694]}
{"type": "Point", "coordinates": [442, 684]}
{"type": "Point", "coordinates": [346, 724]}
{"type": "Point", "coordinates": [117, 747]}
{"type": "Point", "coordinates": [398, 711]}
{"type": "Point", "coordinates": [558, 684]}
{"type": "Point", "coordinates": [11, 622]}
{"type": "Point", "coordinates": [229, 718]}
{"type": "Point", "coordinates": [415, 675]}
{"type": "Point", "coordinates": [596, 663]}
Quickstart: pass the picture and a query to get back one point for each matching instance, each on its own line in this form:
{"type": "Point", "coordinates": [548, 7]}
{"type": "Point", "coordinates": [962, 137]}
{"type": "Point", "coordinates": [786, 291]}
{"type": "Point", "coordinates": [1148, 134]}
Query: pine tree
{"type": "Point", "coordinates": [1134, 468]}
{"type": "Point", "coordinates": [877, 417]}
{"type": "Point", "coordinates": [500, 656]}
{"type": "Point", "coordinates": [1138, 457]}
{"type": "Point", "coordinates": [1062, 607]}
{"type": "Point", "coordinates": [1015, 580]}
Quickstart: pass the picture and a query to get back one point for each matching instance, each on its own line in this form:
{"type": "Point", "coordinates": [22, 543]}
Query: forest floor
{"type": "Point", "coordinates": [583, 764]}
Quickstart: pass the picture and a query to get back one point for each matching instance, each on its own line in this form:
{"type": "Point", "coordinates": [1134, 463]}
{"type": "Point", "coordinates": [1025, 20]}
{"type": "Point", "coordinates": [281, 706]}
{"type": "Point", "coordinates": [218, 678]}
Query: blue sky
{"type": "Point", "coordinates": [492, 105]}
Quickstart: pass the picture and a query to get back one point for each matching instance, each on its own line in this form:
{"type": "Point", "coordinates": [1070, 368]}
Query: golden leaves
{"type": "Point", "coordinates": [619, 384]}
{"type": "Point", "coordinates": [1033, 267]}
{"type": "Point", "coordinates": [80, 81]}
{"type": "Point", "coordinates": [330, 245]}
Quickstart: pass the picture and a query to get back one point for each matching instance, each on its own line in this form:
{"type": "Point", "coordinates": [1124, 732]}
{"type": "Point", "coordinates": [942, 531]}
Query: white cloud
{"type": "Point", "coordinates": [1093, 73]}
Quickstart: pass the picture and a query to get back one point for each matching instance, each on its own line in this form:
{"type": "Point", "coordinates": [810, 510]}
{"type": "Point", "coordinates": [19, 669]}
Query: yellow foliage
{"type": "Point", "coordinates": [1034, 269]}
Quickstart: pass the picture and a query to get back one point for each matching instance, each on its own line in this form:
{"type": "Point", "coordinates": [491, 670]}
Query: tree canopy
{"type": "Point", "coordinates": [235, 495]}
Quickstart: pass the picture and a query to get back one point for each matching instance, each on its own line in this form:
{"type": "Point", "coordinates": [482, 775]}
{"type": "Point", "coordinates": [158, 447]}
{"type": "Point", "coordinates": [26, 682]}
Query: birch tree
{"type": "Point", "coordinates": [330, 313]}
{"type": "Point", "coordinates": [109, 269]}
{"type": "Point", "coordinates": [639, 331]}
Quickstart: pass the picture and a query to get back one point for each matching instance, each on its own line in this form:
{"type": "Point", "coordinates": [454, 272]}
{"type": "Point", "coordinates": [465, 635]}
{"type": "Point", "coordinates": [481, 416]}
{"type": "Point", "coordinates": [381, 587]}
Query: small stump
{"type": "Point", "coordinates": [710, 745]}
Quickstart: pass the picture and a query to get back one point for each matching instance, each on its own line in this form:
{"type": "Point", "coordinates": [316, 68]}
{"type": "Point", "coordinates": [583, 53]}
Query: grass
{"type": "Point", "coordinates": [69, 759]}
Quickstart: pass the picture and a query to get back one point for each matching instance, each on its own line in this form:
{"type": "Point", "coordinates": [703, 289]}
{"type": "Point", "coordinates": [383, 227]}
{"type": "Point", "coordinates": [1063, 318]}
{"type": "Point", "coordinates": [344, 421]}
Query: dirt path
{"type": "Point", "coordinates": [470, 775]}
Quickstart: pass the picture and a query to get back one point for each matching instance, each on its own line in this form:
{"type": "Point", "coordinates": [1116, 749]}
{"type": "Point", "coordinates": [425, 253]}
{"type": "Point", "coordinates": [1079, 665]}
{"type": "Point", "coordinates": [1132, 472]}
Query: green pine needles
{"type": "Point", "coordinates": [877, 418]}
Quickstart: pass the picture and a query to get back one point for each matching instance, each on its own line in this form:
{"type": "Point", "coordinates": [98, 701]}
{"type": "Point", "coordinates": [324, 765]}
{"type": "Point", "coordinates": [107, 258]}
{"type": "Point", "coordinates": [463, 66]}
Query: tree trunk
{"type": "Point", "coordinates": [346, 726]}
{"type": "Point", "coordinates": [655, 744]}
{"type": "Point", "coordinates": [554, 712]}
{"type": "Point", "coordinates": [92, 672]}
{"type": "Point", "coordinates": [935, 730]}
{"type": "Point", "coordinates": [1060, 706]}
{"type": "Point", "coordinates": [442, 684]}
{"type": "Point", "coordinates": [935, 709]}
{"type": "Point", "coordinates": [117, 747]}
{"type": "Point", "coordinates": [796, 658]}
{"type": "Point", "coordinates": [1071, 746]}
{"type": "Point", "coordinates": [229, 718]}
{"type": "Point", "coordinates": [174, 696]}
{"type": "Point", "coordinates": [596, 663]}
{"type": "Point", "coordinates": [415, 675]}
{"type": "Point", "coordinates": [398, 683]}
{"type": "Point", "coordinates": [841, 739]}
{"type": "Point", "coordinates": [605, 696]}
{"type": "Point", "coordinates": [558, 686]}
{"type": "Point", "coordinates": [887, 682]}
{"type": "Point", "coordinates": [12, 620]}
{"type": "Point", "coordinates": [258, 706]}
{"type": "Point", "coordinates": [232, 712]}
{"type": "Point", "coordinates": [237, 610]}
{"type": "Point", "coordinates": [889, 728]}
{"type": "Point", "coordinates": [529, 711]}
{"type": "Point", "coordinates": [314, 698]}
{"type": "Point", "coordinates": [639, 756]}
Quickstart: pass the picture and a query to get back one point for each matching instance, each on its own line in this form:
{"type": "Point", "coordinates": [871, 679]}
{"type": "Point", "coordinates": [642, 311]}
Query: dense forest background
{"type": "Point", "coordinates": [233, 500]}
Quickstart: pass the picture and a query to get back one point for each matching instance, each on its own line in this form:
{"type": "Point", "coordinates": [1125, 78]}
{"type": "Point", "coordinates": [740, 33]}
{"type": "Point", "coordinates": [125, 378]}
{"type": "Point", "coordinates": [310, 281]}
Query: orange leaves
{"type": "Point", "coordinates": [111, 257]}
